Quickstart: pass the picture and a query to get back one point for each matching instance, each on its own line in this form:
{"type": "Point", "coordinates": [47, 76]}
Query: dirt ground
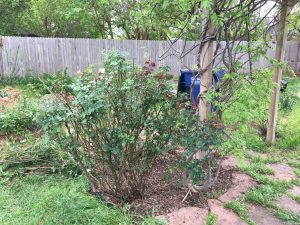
{"type": "Point", "coordinates": [166, 190]}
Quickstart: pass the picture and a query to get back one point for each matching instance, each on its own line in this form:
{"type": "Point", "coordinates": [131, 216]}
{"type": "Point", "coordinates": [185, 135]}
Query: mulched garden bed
{"type": "Point", "coordinates": [166, 190]}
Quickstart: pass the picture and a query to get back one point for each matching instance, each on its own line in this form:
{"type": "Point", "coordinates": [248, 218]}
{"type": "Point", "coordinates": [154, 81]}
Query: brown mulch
{"type": "Point", "coordinates": [8, 97]}
{"type": "Point", "coordinates": [166, 191]}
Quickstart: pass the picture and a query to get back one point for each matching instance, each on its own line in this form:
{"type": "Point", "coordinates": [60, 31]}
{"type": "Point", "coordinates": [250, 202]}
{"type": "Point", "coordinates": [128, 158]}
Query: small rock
{"type": "Point", "coordinates": [289, 204]}
{"type": "Point", "coordinates": [229, 163]}
{"type": "Point", "coordinates": [262, 216]}
{"type": "Point", "coordinates": [186, 216]}
{"type": "Point", "coordinates": [282, 171]}
{"type": "Point", "coordinates": [241, 183]}
{"type": "Point", "coordinates": [295, 191]}
{"type": "Point", "coordinates": [224, 216]}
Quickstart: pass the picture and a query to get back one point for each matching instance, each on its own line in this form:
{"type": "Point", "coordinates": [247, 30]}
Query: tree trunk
{"type": "Point", "coordinates": [205, 63]}
{"type": "Point", "coordinates": [279, 56]}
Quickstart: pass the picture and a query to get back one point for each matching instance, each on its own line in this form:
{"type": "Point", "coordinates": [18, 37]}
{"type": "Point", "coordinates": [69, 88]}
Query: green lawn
{"type": "Point", "coordinates": [54, 200]}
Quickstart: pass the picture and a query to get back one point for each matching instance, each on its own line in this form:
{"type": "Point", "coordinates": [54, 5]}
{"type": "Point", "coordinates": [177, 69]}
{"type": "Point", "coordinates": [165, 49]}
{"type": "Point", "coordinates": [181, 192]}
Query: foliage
{"type": "Point", "coordinates": [37, 86]}
{"type": "Point", "coordinates": [97, 18]}
{"type": "Point", "coordinates": [288, 100]}
{"type": "Point", "coordinates": [115, 125]}
{"type": "Point", "coordinates": [290, 120]}
{"type": "Point", "coordinates": [11, 12]}
{"type": "Point", "coordinates": [294, 24]}
{"type": "Point", "coordinates": [247, 112]}
{"type": "Point", "coordinates": [203, 138]}
{"type": "Point", "coordinates": [19, 119]}
{"type": "Point", "coordinates": [55, 200]}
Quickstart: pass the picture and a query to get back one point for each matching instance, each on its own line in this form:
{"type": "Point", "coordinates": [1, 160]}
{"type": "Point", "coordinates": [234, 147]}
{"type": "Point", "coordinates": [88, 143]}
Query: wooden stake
{"type": "Point", "coordinates": [279, 56]}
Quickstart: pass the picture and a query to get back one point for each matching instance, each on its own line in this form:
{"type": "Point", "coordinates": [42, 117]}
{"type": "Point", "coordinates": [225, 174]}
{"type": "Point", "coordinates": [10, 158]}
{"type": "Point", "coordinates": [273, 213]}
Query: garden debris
{"type": "Point", "coordinates": [241, 183]}
{"type": "Point", "coordinates": [186, 216]}
{"type": "Point", "coordinates": [262, 216]}
{"type": "Point", "coordinates": [8, 96]}
{"type": "Point", "coordinates": [224, 216]}
{"type": "Point", "coordinates": [289, 205]}
{"type": "Point", "coordinates": [283, 171]}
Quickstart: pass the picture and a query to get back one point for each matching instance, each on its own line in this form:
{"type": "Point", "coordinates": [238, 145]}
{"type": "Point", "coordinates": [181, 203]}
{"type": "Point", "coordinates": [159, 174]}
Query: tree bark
{"type": "Point", "coordinates": [205, 63]}
{"type": "Point", "coordinates": [286, 6]}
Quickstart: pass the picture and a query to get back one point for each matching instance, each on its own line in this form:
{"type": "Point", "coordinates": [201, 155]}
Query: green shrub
{"type": "Point", "coordinates": [38, 85]}
{"type": "Point", "coordinates": [19, 119]}
{"type": "Point", "coordinates": [114, 125]}
{"type": "Point", "coordinates": [288, 99]}
{"type": "Point", "coordinates": [202, 138]}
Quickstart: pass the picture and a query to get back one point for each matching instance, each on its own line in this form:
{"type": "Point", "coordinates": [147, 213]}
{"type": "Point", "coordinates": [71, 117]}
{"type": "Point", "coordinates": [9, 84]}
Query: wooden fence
{"type": "Point", "coordinates": [29, 55]}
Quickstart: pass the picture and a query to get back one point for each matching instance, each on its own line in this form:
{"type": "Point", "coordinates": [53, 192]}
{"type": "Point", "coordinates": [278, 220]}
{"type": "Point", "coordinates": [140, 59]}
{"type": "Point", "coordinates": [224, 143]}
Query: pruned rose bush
{"type": "Point", "coordinates": [117, 123]}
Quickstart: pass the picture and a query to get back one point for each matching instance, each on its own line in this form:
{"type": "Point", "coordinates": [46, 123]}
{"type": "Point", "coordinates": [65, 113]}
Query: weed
{"type": "Point", "coordinates": [287, 216]}
{"type": "Point", "coordinates": [211, 219]}
{"type": "Point", "coordinates": [267, 193]}
{"type": "Point", "coordinates": [240, 208]}
{"type": "Point", "coordinates": [296, 182]}
{"type": "Point", "coordinates": [297, 172]}
{"type": "Point", "coordinates": [294, 164]}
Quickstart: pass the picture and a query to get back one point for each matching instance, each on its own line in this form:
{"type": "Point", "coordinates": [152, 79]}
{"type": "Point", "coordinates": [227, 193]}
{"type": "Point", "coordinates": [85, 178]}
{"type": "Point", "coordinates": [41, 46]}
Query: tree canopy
{"type": "Point", "coordinates": [130, 19]}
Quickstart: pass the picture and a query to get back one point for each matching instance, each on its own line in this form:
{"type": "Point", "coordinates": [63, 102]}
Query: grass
{"type": "Point", "coordinates": [55, 200]}
{"type": "Point", "coordinates": [240, 208]}
{"type": "Point", "coordinates": [287, 148]}
{"type": "Point", "coordinates": [211, 219]}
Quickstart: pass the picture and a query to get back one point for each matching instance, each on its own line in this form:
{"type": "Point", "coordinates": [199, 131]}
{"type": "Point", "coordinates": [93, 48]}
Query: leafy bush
{"type": "Point", "coordinates": [19, 119]}
{"type": "Point", "coordinates": [288, 99]}
{"type": "Point", "coordinates": [39, 85]}
{"type": "Point", "coordinates": [248, 113]}
{"type": "Point", "coordinates": [202, 141]}
{"type": "Point", "coordinates": [115, 125]}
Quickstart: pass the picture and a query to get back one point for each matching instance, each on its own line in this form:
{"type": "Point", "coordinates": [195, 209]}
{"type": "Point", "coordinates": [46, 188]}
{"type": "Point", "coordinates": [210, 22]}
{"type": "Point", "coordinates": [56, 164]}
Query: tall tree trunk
{"type": "Point", "coordinates": [205, 63]}
{"type": "Point", "coordinates": [286, 6]}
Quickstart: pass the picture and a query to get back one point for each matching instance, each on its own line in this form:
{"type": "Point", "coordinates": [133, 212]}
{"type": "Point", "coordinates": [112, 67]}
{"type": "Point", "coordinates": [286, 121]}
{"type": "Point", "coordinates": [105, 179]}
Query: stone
{"type": "Point", "coordinates": [295, 191]}
{"type": "Point", "coordinates": [186, 216]}
{"type": "Point", "coordinates": [241, 183]}
{"type": "Point", "coordinates": [282, 171]}
{"type": "Point", "coordinates": [289, 204]}
{"type": "Point", "coordinates": [262, 216]}
{"type": "Point", "coordinates": [229, 163]}
{"type": "Point", "coordinates": [224, 216]}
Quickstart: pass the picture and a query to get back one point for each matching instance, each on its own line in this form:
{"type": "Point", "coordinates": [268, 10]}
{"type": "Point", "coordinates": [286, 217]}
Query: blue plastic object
{"type": "Point", "coordinates": [187, 78]}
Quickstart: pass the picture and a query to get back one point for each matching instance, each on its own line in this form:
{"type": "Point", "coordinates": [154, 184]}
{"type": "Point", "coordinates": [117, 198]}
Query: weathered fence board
{"type": "Point", "coordinates": [30, 55]}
